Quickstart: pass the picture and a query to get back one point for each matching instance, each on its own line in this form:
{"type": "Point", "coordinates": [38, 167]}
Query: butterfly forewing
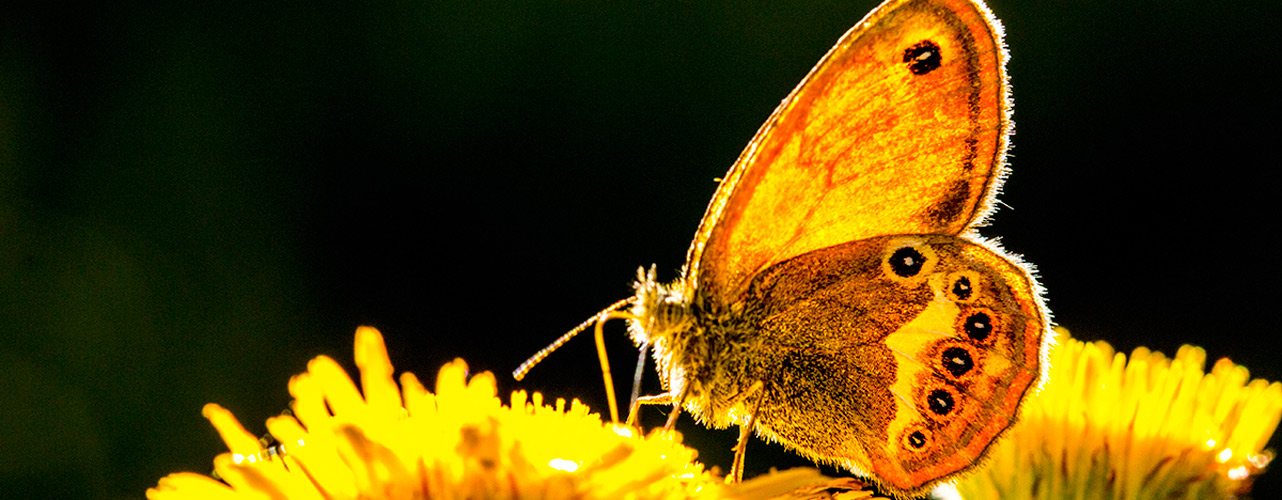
{"type": "Point", "coordinates": [901, 128]}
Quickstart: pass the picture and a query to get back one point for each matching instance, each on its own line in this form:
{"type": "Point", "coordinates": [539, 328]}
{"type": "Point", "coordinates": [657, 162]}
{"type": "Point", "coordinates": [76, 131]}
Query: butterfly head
{"type": "Point", "coordinates": [662, 317]}
{"type": "Point", "coordinates": [659, 310]}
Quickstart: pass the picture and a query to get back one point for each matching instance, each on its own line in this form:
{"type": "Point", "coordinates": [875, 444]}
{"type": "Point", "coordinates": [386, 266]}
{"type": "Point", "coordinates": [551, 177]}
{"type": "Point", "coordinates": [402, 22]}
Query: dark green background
{"type": "Point", "coordinates": [196, 199]}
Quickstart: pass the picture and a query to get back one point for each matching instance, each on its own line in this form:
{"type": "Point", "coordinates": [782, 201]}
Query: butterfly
{"type": "Point", "coordinates": [836, 297]}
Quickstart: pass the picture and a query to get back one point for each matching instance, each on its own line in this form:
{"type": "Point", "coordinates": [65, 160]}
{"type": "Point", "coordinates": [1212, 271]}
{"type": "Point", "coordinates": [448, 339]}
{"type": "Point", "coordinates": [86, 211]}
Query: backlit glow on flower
{"type": "Point", "coordinates": [388, 442]}
{"type": "Point", "coordinates": [1105, 426]}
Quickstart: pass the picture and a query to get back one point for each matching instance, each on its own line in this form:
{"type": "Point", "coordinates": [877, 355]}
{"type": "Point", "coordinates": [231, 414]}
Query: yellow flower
{"type": "Point", "coordinates": [461, 442]}
{"type": "Point", "coordinates": [1150, 427]}
{"type": "Point", "coordinates": [1102, 427]}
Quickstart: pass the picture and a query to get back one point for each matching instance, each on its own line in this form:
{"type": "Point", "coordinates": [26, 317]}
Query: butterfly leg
{"type": "Point", "coordinates": [667, 398]}
{"type": "Point", "coordinates": [745, 433]}
{"type": "Point", "coordinates": [634, 411]}
{"type": "Point", "coordinates": [634, 405]}
{"type": "Point", "coordinates": [676, 408]}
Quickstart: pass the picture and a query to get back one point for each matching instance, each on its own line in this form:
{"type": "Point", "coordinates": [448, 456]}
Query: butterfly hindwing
{"type": "Point", "coordinates": [903, 355]}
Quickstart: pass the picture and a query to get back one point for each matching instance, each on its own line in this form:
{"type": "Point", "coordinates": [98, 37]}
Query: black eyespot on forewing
{"type": "Point", "coordinates": [941, 402]}
{"type": "Point", "coordinates": [907, 262]}
{"type": "Point", "coordinates": [958, 361]}
{"type": "Point", "coordinates": [923, 57]}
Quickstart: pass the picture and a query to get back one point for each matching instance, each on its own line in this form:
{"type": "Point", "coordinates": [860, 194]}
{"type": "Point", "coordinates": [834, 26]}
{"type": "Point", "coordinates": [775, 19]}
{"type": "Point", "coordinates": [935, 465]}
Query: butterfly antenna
{"type": "Point", "coordinates": [597, 319]}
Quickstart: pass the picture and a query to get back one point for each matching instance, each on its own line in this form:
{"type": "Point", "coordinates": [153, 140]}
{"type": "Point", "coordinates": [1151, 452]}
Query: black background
{"type": "Point", "coordinates": [196, 199]}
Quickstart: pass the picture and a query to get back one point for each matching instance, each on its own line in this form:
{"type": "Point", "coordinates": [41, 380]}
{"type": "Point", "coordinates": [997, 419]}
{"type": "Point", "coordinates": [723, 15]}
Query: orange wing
{"type": "Point", "coordinates": [901, 128]}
